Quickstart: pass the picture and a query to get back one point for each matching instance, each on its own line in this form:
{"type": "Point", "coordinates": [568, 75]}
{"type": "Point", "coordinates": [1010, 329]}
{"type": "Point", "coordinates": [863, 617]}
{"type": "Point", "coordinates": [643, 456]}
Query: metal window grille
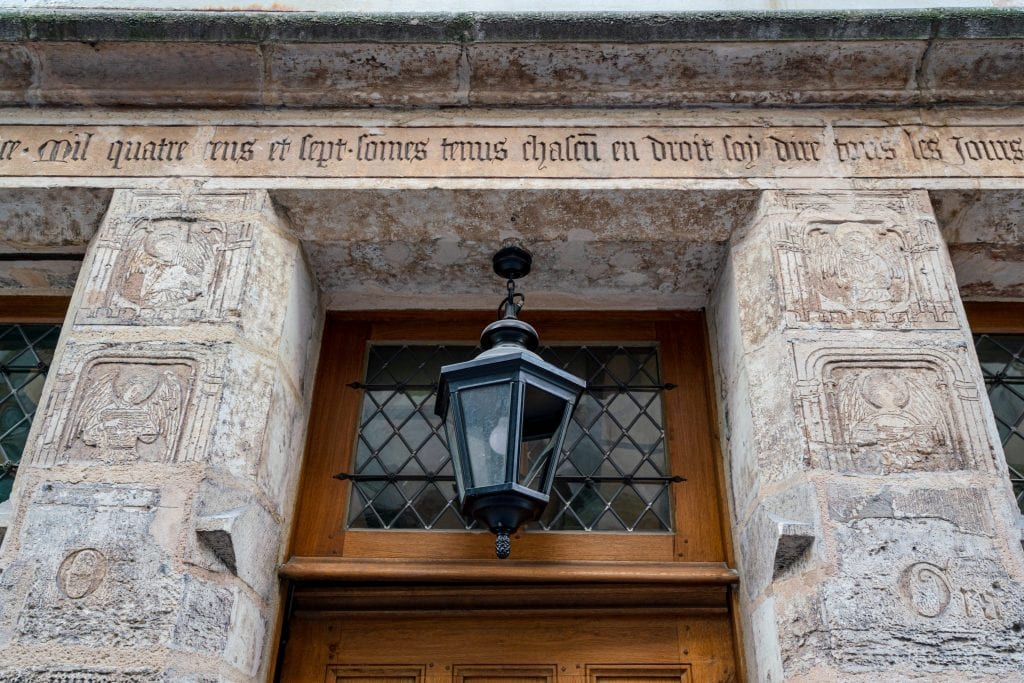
{"type": "Point", "coordinates": [1002, 364]}
{"type": "Point", "coordinates": [26, 352]}
{"type": "Point", "coordinates": [613, 476]}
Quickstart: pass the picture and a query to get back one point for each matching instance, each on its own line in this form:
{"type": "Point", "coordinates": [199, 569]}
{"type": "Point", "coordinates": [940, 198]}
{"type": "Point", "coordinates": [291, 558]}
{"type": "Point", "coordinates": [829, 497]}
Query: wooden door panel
{"type": "Point", "coordinates": [579, 648]}
{"type": "Point", "coordinates": [374, 674]}
{"type": "Point", "coordinates": [504, 674]}
{"type": "Point", "coordinates": [638, 674]}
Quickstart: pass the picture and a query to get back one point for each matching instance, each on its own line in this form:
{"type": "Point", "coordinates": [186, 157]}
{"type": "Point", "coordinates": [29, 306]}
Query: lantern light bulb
{"type": "Point", "coordinates": [499, 437]}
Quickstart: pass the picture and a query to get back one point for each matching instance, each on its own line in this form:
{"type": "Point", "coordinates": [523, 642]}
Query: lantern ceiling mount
{"type": "Point", "coordinates": [506, 413]}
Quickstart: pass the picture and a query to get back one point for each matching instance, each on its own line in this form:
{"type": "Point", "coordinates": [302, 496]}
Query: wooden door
{"type": "Point", "coordinates": [500, 647]}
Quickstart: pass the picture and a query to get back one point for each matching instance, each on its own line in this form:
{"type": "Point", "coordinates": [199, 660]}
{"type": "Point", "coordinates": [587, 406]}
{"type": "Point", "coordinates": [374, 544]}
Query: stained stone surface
{"type": "Point", "coordinates": [177, 383]}
{"type": "Point", "coordinates": [853, 409]}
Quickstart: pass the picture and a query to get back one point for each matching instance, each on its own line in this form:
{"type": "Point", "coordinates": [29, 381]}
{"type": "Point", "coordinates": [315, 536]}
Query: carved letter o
{"type": "Point", "coordinates": [926, 588]}
{"type": "Point", "coordinates": [81, 572]}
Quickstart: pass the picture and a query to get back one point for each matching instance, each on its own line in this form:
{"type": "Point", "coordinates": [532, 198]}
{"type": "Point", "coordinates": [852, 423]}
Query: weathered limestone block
{"type": "Point", "coordinates": [922, 593]}
{"type": "Point", "coordinates": [149, 513]}
{"type": "Point", "coordinates": [231, 525]}
{"type": "Point", "coordinates": [870, 498]}
{"type": "Point", "coordinates": [779, 536]}
{"type": "Point", "coordinates": [99, 576]}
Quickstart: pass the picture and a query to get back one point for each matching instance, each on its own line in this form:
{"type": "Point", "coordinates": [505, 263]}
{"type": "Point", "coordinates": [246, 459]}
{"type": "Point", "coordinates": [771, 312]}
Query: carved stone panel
{"type": "Point", "coordinates": [921, 594]}
{"type": "Point", "coordinates": [135, 402]}
{"type": "Point", "coordinates": [881, 411]}
{"type": "Point", "coordinates": [101, 578]}
{"type": "Point", "coordinates": [167, 269]}
{"type": "Point", "coordinates": [869, 260]}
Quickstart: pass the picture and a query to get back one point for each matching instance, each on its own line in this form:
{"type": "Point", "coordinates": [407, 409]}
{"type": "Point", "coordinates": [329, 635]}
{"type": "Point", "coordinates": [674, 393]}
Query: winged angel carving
{"type": "Point", "coordinates": [859, 268]}
{"type": "Point", "coordinates": [131, 404]}
{"type": "Point", "coordinates": [892, 420]}
{"type": "Point", "coordinates": [167, 263]}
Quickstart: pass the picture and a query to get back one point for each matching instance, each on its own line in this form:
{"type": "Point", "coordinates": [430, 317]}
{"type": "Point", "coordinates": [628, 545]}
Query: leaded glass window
{"type": "Point", "coordinates": [1002, 364]}
{"type": "Point", "coordinates": [26, 352]}
{"type": "Point", "coordinates": [614, 476]}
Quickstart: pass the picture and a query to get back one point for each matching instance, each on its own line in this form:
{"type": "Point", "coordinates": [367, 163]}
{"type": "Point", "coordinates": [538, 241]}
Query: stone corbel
{"type": "Point", "coordinates": [236, 536]}
{"type": "Point", "coordinates": [217, 532]}
{"type": "Point", "coordinates": [792, 541]}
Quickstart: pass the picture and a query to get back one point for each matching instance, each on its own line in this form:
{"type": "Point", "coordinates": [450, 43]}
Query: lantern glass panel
{"type": "Point", "coordinates": [542, 418]}
{"type": "Point", "coordinates": [485, 417]}
{"type": "Point", "coordinates": [451, 434]}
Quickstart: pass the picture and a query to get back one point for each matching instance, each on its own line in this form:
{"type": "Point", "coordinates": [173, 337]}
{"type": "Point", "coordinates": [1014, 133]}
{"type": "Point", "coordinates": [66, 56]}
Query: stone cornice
{"type": "Point", "coordinates": [330, 61]}
{"type": "Point", "coordinates": [332, 27]}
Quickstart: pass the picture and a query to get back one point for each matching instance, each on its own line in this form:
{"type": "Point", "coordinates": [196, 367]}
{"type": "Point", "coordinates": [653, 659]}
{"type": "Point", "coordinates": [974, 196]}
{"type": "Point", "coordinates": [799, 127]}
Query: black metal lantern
{"type": "Point", "coordinates": [506, 413]}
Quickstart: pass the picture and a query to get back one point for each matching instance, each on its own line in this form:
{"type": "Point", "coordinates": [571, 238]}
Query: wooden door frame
{"type": "Point", "coordinates": [33, 309]}
{"type": "Point", "coordinates": [318, 536]}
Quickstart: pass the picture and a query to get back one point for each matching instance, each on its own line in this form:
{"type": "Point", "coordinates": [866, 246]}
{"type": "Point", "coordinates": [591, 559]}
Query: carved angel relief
{"type": "Point", "coordinates": [166, 263]}
{"type": "Point", "coordinates": [891, 420]}
{"type": "Point", "coordinates": [167, 269]}
{"type": "Point", "coordinates": [865, 260]}
{"type": "Point", "coordinates": [131, 411]}
{"type": "Point", "coordinates": [890, 410]}
{"type": "Point", "coordinates": [858, 269]}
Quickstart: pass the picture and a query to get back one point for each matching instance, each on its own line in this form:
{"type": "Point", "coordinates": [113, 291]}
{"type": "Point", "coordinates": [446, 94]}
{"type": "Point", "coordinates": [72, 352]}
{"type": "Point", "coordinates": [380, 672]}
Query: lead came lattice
{"type": "Point", "coordinates": [26, 352]}
{"type": "Point", "coordinates": [614, 476]}
{"type": "Point", "coordinates": [1002, 364]}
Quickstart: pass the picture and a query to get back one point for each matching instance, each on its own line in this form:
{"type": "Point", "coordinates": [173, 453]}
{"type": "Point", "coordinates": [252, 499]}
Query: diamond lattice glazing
{"type": "Point", "coordinates": [26, 352]}
{"type": "Point", "coordinates": [1002, 364]}
{"type": "Point", "coordinates": [613, 476]}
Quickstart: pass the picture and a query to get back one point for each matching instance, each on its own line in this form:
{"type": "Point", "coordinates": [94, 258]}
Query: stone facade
{"type": "Point", "coordinates": [677, 167]}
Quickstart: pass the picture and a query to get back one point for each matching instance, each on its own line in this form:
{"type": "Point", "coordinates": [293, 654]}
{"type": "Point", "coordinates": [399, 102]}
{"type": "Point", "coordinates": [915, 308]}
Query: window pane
{"type": "Point", "coordinates": [26, 352]}
{"type": "Point", "coordinates": [1002, 364]}
{"type": "Point", "coordinates": [612, 476]}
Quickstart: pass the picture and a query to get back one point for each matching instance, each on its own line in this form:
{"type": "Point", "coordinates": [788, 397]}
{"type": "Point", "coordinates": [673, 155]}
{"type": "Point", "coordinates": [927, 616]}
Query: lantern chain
{"type": "Point", "coordinates": [513, 302]}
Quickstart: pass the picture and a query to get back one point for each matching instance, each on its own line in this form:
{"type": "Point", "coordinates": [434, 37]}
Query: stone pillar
{"type": "Point", "coordinates": [153, 501]}
{"type": "Point", "coordinates": [874, 521]}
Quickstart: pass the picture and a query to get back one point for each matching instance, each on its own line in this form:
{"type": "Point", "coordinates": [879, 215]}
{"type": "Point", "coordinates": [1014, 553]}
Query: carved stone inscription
{"type": "Point", "coordinates": [926, 589]}
{"type": "Point", "coordinates": [81, 572]}
{"type": "Point", "coordinates": [851, 261]}
{"type": "Point", "coordinates": [882, 412]}
{"type": "Point", "coordinates": [921, 593]}
{"type": "Point", "coordinates": [502, 151]}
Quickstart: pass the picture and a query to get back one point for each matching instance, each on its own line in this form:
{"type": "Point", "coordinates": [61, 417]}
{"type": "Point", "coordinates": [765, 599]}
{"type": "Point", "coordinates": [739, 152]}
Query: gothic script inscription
{"type": "Point", "coordinates": [555, 151]}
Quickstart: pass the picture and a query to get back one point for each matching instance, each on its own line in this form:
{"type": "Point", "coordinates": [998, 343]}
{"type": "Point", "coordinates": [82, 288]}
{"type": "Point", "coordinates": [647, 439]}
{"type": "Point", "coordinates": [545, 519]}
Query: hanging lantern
{"type": "Point", "coordinates": [506, 413]}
